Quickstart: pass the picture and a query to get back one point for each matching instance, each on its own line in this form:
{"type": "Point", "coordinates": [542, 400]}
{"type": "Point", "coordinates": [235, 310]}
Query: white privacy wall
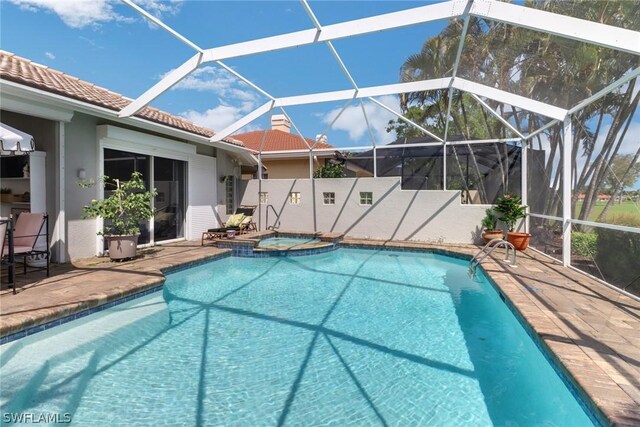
{"type": "Point", "coordinates": [424, 215]}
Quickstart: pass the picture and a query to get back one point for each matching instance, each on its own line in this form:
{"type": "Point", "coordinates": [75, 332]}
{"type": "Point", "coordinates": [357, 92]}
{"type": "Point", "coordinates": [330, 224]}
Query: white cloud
{"type": "Point", "coordinates": [220, 82]}
{"type": "Point", "coordinates": [83, 13]}
{"type": "Point", "coordinates": [49, 55]}
{"type": "Point", "coordinates": [217, 118]}
{"type": "Point", "coordinates": [352, 120]}
{"type": "Point", "coordinates": [236, 98]}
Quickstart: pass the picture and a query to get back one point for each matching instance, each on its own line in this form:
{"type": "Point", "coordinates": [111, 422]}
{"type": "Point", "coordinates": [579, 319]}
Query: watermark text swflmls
{"type": "Point", "coordinates": [36, 418]}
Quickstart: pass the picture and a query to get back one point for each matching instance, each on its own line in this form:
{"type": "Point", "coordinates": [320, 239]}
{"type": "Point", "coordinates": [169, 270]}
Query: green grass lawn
{"type": "Point", "coordinates": [626, 207]}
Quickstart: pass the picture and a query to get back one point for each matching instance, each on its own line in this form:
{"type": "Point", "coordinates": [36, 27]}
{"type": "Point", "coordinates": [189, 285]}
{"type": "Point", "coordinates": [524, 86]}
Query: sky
{"type": "Point", "coordinates": [107, 43]}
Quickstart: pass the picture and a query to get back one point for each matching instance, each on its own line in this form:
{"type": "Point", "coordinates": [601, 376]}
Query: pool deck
{"type": "Point", "coordinates": [591, 329]}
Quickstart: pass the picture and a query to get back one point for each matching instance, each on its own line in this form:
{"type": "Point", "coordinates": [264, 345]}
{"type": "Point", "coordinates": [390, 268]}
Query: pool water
{"type": "Point", "coordinates": [350, 337]}
{"type": "Point", "coordinates": [286, 242]}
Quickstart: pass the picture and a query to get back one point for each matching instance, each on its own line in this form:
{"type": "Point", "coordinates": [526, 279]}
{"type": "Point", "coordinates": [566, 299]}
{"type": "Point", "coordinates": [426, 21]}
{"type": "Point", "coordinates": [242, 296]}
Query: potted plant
{"type": "Point", "coordinates": [511, 209]}
{"type": "Point", "coordinates": [490, 224]}
{"type": "Point", "coordinates": [122, 211]}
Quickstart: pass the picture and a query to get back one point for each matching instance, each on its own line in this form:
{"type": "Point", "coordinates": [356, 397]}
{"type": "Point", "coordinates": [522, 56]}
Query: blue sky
{"type": "Point", "coordinates": [107, 43]}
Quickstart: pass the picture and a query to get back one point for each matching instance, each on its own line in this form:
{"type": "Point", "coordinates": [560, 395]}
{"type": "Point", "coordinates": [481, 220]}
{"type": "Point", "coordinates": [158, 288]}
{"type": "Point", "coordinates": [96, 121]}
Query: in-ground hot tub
{"type": "Point", "coordinates": [286, 243]}
{"type": "Point", "coordinates": [282, 244]}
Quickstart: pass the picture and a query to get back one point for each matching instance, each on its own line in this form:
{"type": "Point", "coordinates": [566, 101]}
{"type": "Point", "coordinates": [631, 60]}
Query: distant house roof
{"type": "Point", "coordinates": [277, 140]}
{"type": "Point", "coordinates": [21, 70]}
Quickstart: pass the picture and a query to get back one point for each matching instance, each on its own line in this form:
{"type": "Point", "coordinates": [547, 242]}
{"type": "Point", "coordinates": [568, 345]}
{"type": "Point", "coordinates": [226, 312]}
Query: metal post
{"type": "Point", "coordinates": [567, 142]}
{"type": "Point", "coordinates": [12, 259]}
{"type": "Point", "coordinates": [444, 166]}
{"type": "Point", "coordinates": [375, 162]}
{"type": "Point", "coordinates": [259, 190]}
{"type": "Point", "coordinates": [524, 185]}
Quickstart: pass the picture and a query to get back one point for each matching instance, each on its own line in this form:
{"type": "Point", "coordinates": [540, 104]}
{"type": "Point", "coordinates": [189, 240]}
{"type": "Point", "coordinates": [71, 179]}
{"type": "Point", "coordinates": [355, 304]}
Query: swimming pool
{"type": "Point", "coordinates": [286, 242]}
{"type": "Point", "coordinates": [351, 336]}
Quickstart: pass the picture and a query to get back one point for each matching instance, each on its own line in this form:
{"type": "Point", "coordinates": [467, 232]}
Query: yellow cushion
{"type": "Point", "coordinates": [234, 220]}
{"type": "Point", "coordinates": [246, 220]}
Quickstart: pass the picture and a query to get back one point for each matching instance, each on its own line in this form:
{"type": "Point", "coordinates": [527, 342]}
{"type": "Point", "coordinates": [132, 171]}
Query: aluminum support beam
{"type": "Point", "coordinates": [567, 142]}
{"type": "Point", "coordinates": [234, 127]}
{"type": "Point", "coordinates": [524, 184]}
{"type": "Point", "coordinates": [542, 129]}
{"type": "Point", "coordinates": [388, 21]}
{"type": "Point", "coordinates": [162, 86]}
{"type": "Point", "coordinates": [560, 25]}
{"type": "Point", "coordinates": [510, 98]}
{"type": "Point", "coordinates": [497, 116]}
{"type": "Point", "coordinates": [613, 86]}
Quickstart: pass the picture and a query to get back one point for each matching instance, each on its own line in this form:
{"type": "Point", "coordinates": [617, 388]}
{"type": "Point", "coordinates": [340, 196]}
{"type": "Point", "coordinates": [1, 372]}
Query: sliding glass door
{"type": "Point", "coordinates": [168, 177]}
{"type": "Point", "coordinates": [120, 165]}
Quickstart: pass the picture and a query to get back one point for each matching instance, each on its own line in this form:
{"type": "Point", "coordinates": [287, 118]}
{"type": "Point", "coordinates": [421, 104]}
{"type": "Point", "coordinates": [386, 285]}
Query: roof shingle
{"type": "Point", "coordinates": [276, 140]}
{"type": "Point", "coordinates": [23, 71]}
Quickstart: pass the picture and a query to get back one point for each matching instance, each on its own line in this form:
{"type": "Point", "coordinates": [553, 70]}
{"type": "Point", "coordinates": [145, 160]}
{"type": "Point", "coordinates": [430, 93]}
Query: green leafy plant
{"type": "Point", "coordinates": [511, 209]}
{"type": "Point", "coordinates": [128, 204]}
{"type": "Point", "coordinates": [584, 244]}
{"type": "Point", "coordinates": [330, 171]}
{"type": "Point", "coordinates": [490, 220]}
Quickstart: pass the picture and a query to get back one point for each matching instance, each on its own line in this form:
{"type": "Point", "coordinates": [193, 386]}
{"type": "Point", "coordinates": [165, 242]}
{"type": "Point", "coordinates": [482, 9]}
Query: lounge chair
{"type": "Point", "coordinates": [247, 224]}
{"type": "Point", "coordinates": [29, 226]}
{"type": "Point", "coordinates": [241, 222]}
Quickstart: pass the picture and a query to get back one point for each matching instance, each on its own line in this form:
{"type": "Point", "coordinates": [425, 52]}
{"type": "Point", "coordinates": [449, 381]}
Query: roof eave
{"type": "Point", "coordinates": [39, 95]}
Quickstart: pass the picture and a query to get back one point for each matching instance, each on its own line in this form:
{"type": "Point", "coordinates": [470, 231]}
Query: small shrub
{"type": "Point", "coordinates": [490, 220]}
{"type": "Point", "coordinates": [330, 171]}
{"type": "Point", "coordinates": [584, 244]}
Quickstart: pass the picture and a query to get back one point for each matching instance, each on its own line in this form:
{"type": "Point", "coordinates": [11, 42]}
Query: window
{"type": "Point", "coordinates": [264, 198]}
{"type": "Point", "coordinates": [366, 198]}
{"type": "Point", "coordinates": [329, 198]}
{"type": "Point", "coordinates": [229, 194]}
{"type": "Point", "coordinates": [294, 198]}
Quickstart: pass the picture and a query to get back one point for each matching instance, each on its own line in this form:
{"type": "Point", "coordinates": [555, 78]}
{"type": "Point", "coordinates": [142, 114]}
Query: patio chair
{"type": "Point", "coordinates": [241, 222]}
{"type": "Point", "coordinates": [6, 240]}
{"type": "Point", "coordinates": [29, 226]}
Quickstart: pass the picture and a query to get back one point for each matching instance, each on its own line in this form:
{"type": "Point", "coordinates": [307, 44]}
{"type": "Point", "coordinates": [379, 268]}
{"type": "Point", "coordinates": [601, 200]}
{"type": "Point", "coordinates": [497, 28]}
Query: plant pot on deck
{"type": "Point", "coordinates": [122, 247]}
{"type": "Point", "coordinates": [489, 235]}
{"type": "Point", "coordinates": [520, 241]}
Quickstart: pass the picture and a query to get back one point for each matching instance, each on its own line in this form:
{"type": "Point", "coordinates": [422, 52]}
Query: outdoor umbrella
{"type": "Point", "coordinates": [14, 142]}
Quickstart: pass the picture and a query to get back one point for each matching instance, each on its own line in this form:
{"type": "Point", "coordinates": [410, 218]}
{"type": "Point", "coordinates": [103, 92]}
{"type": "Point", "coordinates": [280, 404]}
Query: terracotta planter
{"type": "Point", "coordinates": [488, 235]}
{"type": "Point", "coordinates": [520, 241]}
{"type": "Point", "coordinates": [122, 247]}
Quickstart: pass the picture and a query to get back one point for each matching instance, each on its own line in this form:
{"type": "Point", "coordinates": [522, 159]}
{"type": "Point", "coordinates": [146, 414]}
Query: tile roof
{"type": "Point", "coordinates": [23, 71]}
{"type": "Point", "coordinates": [276, 140]}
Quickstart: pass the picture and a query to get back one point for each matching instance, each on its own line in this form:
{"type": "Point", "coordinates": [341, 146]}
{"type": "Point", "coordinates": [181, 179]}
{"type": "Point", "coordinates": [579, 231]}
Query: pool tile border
{"type": "Point", "coordinates": [82, 313]}
{"type": "Point", "coordinates": [588, 405]}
